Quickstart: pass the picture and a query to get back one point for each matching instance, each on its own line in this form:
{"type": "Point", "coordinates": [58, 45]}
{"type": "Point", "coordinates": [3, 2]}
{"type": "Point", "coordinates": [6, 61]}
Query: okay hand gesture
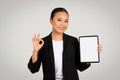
{"type": "Point", "coordinates": [37, 42]}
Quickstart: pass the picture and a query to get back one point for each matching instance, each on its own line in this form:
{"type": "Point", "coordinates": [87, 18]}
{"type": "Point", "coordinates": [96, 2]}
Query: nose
{"type": "Point", "coordinates": [63, 23]}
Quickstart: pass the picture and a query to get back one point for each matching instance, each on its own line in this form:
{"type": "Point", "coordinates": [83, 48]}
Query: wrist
{"type": "Point", "coordinates": [35, 52]}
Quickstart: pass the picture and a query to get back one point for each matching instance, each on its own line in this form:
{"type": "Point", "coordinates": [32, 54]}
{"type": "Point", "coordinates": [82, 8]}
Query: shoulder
{"type": "Point", "coordinates": [70, 37]}
{"type": "Point", "coordinates": [48, 37]}
{"type": "Point", "coordinates": [71, 40]}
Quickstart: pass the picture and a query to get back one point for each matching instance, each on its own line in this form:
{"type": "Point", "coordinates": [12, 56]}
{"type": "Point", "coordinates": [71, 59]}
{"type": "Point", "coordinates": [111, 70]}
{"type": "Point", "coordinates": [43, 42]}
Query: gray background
{"type": "Point", "coordinates": [20, 19]}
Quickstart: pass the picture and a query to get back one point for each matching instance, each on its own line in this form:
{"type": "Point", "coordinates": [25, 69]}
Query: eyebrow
{"type": "Point", "coordinates": [61, 18]}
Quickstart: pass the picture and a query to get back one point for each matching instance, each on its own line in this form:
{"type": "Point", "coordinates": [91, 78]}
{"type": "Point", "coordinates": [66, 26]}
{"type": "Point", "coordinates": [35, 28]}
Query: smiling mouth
{"type": "Point", "coordinates": [61, 28]}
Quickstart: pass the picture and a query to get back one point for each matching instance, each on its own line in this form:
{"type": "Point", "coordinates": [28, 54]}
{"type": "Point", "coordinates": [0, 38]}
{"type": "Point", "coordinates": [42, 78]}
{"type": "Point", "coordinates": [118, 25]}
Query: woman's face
{"type": "Point", "coordinates": [59, 22]}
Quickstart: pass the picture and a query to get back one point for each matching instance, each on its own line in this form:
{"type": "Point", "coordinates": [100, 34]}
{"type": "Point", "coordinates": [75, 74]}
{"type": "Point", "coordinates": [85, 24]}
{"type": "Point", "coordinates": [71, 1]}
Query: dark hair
{"type": "Point", "coordinates": [59, 9]}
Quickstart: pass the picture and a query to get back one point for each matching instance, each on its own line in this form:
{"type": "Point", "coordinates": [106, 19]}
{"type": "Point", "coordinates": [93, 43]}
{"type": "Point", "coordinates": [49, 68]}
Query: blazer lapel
{"type": "Point", "coordinates": [51, 54]}
{"type": "Point", "coordinates": [64, 43]}
{"type": "Point", "coordinates": [63, 55]}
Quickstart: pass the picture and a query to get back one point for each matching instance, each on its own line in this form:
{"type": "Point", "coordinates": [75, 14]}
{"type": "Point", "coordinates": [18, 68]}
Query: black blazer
{"type": "Point", "coordinates": [71, 59]}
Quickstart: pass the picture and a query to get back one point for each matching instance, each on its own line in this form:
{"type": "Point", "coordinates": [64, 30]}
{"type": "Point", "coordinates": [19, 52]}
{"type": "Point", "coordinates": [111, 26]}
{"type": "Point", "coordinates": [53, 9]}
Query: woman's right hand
{"type": "Point", "coordinates": [37, 42]}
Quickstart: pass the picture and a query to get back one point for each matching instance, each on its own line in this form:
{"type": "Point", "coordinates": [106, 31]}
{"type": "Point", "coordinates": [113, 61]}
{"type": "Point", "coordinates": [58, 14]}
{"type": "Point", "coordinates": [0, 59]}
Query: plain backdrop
{"type": "Point", "coordinates": [20, 19]}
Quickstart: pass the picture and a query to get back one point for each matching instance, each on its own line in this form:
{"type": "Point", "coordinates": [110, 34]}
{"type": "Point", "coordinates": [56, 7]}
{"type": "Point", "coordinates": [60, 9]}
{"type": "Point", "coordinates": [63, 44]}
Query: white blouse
{"type": "Point", "coordinates": [58, 50]}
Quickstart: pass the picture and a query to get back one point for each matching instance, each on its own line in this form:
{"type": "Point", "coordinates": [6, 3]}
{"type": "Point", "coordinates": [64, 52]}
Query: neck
{"type": "Point", "coordinates": [57, 37]}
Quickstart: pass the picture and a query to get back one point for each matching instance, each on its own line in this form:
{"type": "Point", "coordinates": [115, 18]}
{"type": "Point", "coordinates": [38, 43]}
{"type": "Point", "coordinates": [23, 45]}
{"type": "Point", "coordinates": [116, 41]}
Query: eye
{"type": "Point", "coordinates": [66, 21]}
{"type": "Point", "coordinates": [58, 20]}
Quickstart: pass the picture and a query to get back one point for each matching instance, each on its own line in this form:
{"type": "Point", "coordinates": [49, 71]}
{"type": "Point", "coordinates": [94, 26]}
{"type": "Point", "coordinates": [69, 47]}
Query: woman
{"type": "Point", "coordinates": [58, 52]}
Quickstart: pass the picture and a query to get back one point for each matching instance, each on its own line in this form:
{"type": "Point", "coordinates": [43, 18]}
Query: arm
{"type": "Point", "coordinates": [35, 60]}
{"type": "Point", "coordinates": [34, 66]}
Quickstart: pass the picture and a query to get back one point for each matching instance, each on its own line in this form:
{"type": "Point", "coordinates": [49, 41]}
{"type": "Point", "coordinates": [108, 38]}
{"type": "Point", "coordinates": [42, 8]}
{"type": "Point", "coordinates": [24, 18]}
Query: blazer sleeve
{"type": "Point", "coordinates": [34, 67]}
{"type": "Point", "coordinates": [80, 66]}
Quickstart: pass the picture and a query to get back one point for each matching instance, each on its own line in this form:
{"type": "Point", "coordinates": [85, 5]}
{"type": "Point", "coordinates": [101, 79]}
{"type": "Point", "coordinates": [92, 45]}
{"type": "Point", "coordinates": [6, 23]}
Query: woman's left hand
{"type": "Point", "coordinates": [99, 48]}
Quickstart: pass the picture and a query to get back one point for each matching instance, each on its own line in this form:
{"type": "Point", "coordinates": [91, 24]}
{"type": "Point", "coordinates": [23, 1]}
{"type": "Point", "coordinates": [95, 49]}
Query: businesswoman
{"type": "Point", "coordinates": [58, 52]}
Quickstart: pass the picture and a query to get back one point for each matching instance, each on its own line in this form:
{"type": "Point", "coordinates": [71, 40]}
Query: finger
{"type": "Point", "coordinates": [99, 48]}
{"type": "Point", "coordinates": [38, 37]}
{"type": "Point", "coordinates": [33, 38]}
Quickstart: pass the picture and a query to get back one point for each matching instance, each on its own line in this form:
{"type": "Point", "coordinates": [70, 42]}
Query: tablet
{"type": "Point", "coordinates": [88, 49]}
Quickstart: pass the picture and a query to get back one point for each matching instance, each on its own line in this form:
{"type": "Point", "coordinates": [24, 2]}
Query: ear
{"type": "Point", "coordinates": [51, 21]}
